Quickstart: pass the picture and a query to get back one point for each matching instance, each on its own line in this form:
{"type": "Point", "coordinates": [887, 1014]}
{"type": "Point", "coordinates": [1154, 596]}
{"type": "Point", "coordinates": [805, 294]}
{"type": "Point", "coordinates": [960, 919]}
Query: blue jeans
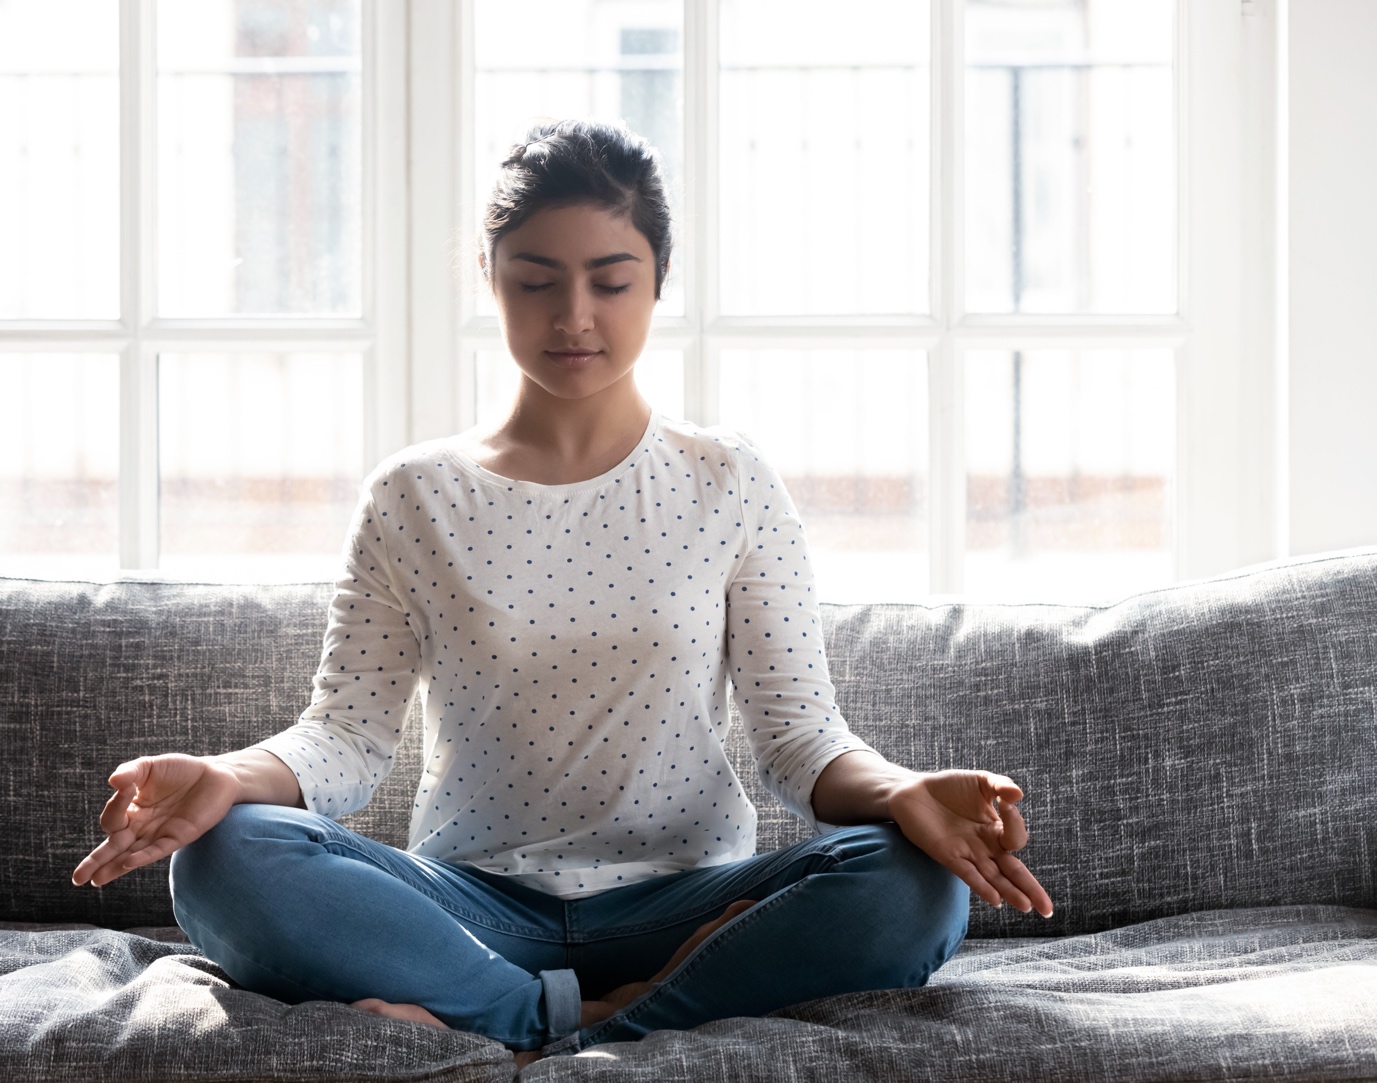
{"type": "Point", "coordinates": [295, 906]}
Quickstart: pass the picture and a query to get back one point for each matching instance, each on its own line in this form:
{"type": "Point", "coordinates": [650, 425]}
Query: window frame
{"type": "Point", "coordinates": [419, 334]}
{"type": "Point", "coordinates": [139, 336]}
{"type": "Point", "coordinates": [1226, 492]}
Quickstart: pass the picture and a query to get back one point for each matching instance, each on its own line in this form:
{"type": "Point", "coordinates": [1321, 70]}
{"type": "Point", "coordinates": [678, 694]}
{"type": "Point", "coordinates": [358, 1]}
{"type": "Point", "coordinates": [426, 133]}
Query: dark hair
{"type": "Point", "coordinates": [563, 162]}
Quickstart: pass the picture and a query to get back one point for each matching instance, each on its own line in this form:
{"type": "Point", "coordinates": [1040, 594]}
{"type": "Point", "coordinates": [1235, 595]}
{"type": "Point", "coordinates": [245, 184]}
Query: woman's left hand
{"type": "Point", "coordinates": [970, 823]}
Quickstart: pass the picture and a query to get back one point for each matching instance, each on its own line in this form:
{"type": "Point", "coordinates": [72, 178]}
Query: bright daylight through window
{"type": "Point", "coordinates": [926, 256]}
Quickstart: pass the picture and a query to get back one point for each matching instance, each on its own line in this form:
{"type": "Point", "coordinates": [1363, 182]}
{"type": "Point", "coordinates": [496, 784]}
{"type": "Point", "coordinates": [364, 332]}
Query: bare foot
{"type": "Point", "coordinates": [595, 1011]}
{"type": "Point", "coordinates": [414, 1012]}
{"type": "Point", "coordinates": [703, 932]}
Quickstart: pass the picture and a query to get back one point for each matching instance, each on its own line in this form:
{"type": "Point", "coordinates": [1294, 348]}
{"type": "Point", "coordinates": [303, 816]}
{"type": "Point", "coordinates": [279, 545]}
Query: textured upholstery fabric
{"type": "Point", "coordinates": [102, 1005]}
{"type": "Point", "coordinates": [1230, 995]}
{"type": "Point", "coordinates": [1198, 763]}
{"type": "Point", "coordinates": [1205, 746]}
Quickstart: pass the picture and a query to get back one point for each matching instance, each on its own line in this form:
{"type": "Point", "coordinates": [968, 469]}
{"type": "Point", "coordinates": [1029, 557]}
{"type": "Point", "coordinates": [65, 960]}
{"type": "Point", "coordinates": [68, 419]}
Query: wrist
{"type": "Point", "coordinates": [228, 768]}
{"type": "Point", "coordinates": [902, 789]}
{"type": "Point", "coordinates": [261, 778]}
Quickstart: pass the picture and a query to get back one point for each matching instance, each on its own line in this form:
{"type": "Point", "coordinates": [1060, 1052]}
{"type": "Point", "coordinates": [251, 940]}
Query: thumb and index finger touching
{"type": "Point", "coordinates": [1004, 794]}
{"type": "Point", "coordinates": [126, 780]}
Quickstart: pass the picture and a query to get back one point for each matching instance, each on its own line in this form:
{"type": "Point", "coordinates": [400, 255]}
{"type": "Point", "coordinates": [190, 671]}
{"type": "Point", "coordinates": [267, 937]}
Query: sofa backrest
{"type": "Point", "coordinates": [1206, 745]}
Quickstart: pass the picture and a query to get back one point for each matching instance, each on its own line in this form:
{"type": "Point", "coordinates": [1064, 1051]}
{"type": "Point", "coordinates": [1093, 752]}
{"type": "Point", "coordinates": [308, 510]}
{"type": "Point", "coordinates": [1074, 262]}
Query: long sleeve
{"type": "Point", "coordinates": [775, 647]}
{"type": "Point", "coordinates": [342, 745]}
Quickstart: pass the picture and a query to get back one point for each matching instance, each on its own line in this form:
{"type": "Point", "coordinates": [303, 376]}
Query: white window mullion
{"type": "Point", "coordinates": [946, 429]}
{"type": "Point", "coordinates": [139, 535]}
{"type": "Point", "coordinates": [464, 137]}
{"type": "Point", "coordinates": [698, 233]}
{"type": "Point", "coordinates": [436, 198]}
{"type": "Point", "coordinates": [387, 371]}
{"type": "Point", "coordinates": [1215, 470]}
{"type": "Point", "coordinates": [138, 487]}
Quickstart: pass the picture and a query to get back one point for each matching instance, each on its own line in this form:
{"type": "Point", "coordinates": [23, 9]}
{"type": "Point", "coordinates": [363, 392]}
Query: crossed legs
{"type": "Point", "coordinates": [295, 906]}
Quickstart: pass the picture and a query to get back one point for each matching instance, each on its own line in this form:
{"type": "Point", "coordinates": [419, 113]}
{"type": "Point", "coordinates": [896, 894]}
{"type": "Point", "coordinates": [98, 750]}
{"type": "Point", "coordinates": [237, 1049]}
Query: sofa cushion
{"type": "Point", "coordinates": [104, 1005]}
{"type": "Point", "coordinates": [1209, 745]}
{"type": "Point", "coordinates": [1226, 995]}
{"type": "Point", "coordinates": [1204, 746]}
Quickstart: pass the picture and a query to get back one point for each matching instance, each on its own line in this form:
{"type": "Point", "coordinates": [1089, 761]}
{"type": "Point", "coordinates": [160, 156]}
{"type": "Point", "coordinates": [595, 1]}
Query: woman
{"type": "Point", "coordinates": [571, 589]}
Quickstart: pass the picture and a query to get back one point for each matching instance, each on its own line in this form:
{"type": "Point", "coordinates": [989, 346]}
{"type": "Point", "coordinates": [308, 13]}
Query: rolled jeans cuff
{"type": "Point", "coordinates": [563, 1004]}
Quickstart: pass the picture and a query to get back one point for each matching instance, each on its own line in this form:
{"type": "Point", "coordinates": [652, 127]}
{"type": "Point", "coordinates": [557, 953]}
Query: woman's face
{"type": "Point", "coordinates": [575, 289]}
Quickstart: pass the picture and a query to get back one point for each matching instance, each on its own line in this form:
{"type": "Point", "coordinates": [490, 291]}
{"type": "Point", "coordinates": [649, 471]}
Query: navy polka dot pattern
{"type": "Point", "coordinates": [572, 645]}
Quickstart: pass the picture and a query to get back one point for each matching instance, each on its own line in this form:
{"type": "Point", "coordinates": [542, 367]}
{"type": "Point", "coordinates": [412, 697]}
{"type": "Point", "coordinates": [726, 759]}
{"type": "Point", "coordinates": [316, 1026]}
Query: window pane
{"type": "Point", "coordinates": [1070, 171]}
{"type": "Point", "coordinates": [1070, 461]}
{"type": "Point", "coordinates": [659, 376]}
{"type": "Point", "coordinates": [552, 59]}
{"type": "Point", "coordinates": [59, 160]}
{"type": "Point", "coordinates": [848, 432]}
{"type": "Point", "coordinates": [259, 162]}
{"type": "Point", "coordinates": [59, 464]}
{"type": "Point", "coordinates": [261, 457]}
{"type": "Point", "coordinates": [824, 157]}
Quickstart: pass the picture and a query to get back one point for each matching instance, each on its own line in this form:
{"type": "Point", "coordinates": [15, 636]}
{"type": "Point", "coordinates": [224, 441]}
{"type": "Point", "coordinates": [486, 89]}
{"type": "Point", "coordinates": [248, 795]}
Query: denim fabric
{"type": "Point", "coordinates": [295, 906]}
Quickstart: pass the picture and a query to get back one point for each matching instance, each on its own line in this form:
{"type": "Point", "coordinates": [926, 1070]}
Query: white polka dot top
{"type": "Point", "coordinates": [572, 645]}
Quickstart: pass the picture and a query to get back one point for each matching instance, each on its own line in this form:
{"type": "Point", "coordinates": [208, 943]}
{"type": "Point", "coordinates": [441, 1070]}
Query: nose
{"type": "Point", "coordinates": [574, 316]}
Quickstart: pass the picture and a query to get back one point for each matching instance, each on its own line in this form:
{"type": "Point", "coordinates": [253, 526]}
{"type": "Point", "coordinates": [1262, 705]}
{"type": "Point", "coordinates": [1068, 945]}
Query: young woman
{"type": "Point", "coordinates": [571, 590]}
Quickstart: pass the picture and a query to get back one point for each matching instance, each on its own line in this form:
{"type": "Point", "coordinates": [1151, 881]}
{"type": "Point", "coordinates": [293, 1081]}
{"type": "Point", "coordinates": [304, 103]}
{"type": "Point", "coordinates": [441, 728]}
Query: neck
{"type": "Point", "coordinates": [570, 432]}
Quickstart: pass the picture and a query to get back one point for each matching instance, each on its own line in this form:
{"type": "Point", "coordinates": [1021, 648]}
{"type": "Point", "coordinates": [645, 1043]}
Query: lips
{"type": "Point", "coordinates": [571, 358]}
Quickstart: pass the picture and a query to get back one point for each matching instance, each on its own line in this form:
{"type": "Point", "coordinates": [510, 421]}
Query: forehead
{"type": "Point", "coordinates": [574, 234]}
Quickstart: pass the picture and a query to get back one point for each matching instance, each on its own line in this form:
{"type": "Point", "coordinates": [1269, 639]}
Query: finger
{"type": "Point", "coordinates": [146, 855]}
{"type": "Point", "coordinates": [1006, 887]}
{"type": "Point", "coordinates": [1015, 833]}
{"type": "Point", "coordinates": [111, 870]}
{"type": "Point", "coordinates": [130, 773]}
{"type": "Point", "coordinates": [111, 849]}
{"type": "Point", "coordinates": [971, 876]}
{"type": "Point", "coordinates": [1018, 873]}
{"type": "Point", "coordinates": [1003, 787]}
{"type": "Point", "coordinates": [115, 816]}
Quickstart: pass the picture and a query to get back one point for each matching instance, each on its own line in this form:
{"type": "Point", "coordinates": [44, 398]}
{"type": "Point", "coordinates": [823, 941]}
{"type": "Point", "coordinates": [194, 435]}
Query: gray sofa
{"type": "Point", "coordinates": [1199, 767]}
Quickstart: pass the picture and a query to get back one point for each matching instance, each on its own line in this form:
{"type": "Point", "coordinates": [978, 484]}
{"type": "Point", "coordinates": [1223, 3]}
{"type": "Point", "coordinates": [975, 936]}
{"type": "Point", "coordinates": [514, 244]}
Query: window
{"type": "Point", "coordinates": [192, 315]}
{"type": "Point", "coordinates": [970, 271]}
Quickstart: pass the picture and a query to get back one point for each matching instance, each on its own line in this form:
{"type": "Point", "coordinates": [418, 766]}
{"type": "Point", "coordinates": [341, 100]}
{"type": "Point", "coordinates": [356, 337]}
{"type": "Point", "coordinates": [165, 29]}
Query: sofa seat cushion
{"type": "Point", "coordinates": [95, 1004]}
{"type": "Point", "coordinates": [1279, 992]}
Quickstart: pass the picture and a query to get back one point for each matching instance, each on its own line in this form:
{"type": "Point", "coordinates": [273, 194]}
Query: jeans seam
{"type": "Point", "coordinates": [472, 917]}
{"type": "Point", "coordinates": [690, 965]}
{"type": "Point", "coordinates": [627, 930]}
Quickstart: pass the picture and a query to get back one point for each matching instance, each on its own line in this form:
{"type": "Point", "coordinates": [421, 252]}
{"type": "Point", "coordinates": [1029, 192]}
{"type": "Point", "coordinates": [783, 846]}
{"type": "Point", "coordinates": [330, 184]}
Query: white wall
{"type": "Point", "coordinates": [1332, 207]}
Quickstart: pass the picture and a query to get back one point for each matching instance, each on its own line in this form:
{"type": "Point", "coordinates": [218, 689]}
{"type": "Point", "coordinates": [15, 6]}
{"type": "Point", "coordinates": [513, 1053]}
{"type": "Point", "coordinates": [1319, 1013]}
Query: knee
{"type": "Point", "coordinates": [918, 908]}
{"type": "Point", "coordinates": [203, 874]}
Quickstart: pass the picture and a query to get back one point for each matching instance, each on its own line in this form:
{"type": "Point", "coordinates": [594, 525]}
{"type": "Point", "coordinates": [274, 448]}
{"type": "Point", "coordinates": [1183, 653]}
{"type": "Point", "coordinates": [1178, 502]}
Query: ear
{"type": "Point", "coordinates": [483, 263]}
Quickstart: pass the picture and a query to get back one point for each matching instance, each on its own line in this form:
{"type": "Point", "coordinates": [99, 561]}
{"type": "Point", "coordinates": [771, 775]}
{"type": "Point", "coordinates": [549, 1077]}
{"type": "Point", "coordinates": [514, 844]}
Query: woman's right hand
{"type": "Point", "coordinates": [161, 803]}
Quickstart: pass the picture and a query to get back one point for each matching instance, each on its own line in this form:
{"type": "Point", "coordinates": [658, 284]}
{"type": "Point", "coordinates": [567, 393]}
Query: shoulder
{"type": "Point", "coordinates": [393, 473]}
{"type": "Point", "coordinates": [714, 447]}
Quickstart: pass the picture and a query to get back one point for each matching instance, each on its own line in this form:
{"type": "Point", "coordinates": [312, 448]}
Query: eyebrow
{"type": "Point", "coordinates": [592, 264]}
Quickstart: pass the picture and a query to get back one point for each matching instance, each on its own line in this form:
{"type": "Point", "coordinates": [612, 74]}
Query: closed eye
{"type": "Point", "coordinates": [535, 287]}
{"type": "Point", "coordinates": [615, 289]}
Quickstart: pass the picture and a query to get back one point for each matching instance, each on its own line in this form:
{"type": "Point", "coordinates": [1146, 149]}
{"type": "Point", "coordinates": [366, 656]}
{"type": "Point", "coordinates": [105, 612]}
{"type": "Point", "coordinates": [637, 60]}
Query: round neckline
{"type": "Point", "coordinates": [489, 477]}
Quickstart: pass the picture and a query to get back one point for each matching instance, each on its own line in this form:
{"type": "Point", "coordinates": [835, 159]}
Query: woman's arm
{"type": "Point", "coordinates": [855, 788]}
{"type": "Point", "coordinates": [263, 778]}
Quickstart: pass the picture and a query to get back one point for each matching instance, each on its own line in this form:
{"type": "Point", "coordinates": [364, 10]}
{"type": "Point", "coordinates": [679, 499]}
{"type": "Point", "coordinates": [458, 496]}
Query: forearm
{"type": "Point", "coordinates": [263, 778]}
{"type": "Point", "coordinates": [855, 788]}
